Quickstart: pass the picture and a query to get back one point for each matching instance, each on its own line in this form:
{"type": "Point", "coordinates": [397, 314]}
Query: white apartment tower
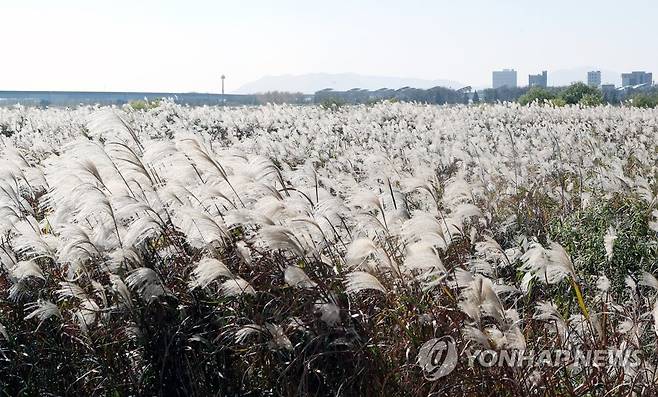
{"type": "Point", "coordinates": [504, 78]}
{"type": "Point", "coordinates": [594, 78]}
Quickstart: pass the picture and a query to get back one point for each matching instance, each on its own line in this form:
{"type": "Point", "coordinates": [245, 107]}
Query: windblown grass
{"type": "Point", "coordinates": [285, 250]}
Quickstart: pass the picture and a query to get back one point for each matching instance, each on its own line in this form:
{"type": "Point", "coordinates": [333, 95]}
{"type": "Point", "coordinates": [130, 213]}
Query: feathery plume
{"type": "Point", "coordinates": [208, 270]}
{"type": "Point", "coordinates": [236, 287]}
{"type": "Point", "coordinates": [43, 310]}
{"type": "Point", "coordinates": [120, 288]}
{"type": "Point", "coordinates": [609, 242]}
{"type": "Point", "coordinates": [359, 281]}
{"type": "Point", "coordinates": [243, 333]}
{"type": "Point", "coordinates": [296, 277]}
{"type": "Point", "coordinates": [647, 279]}
{"type": "Point", "coordinates": [147, 283]}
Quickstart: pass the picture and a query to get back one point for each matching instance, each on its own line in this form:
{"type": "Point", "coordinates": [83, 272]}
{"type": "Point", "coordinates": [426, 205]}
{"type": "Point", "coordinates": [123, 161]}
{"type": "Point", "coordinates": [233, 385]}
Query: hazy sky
{"type": "Point", "coordinates": [185, 46]}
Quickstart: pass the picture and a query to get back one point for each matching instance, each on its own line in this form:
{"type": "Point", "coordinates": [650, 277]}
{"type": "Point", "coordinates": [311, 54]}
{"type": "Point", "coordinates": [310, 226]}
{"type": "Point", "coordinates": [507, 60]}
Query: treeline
{"type": "Point", "coordinates": [582, 94]}
{"type": "Point", "coordinates": [577, 93]}
{"type": "Point", "coordinates": [280, 97]}
{"type": "Point", "coordinates": [434, 95]}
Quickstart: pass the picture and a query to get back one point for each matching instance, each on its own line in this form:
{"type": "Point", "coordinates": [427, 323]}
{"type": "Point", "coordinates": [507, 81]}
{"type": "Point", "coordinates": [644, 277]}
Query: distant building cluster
{"type": "Point", "coordinates": [633, 80]}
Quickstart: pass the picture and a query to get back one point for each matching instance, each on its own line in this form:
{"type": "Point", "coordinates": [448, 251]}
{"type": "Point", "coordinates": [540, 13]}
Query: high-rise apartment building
{"type": "Point", "coordinates": [594, 78]}
{"type": "Point", "coordinates": [538, 80]}
{"type": "Point", "coordinates": [636, 78]}
{"type": "Point", "coordinates": [504, 78]}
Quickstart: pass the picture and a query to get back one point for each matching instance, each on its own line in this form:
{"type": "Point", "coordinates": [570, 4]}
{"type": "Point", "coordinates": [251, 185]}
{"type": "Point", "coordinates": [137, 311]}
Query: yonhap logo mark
{"type": "Point", "coordinates": [437, 357]}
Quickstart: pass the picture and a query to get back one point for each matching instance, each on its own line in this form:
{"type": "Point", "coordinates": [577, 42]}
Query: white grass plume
{"type": "Point", "coordinates": [140, 230]}
{"type": "Point", "coordinates": [423, 261]}
{"type": "Point", "coordinates": [359, 281]}
{"type": "Point", "coordinates": [648, 279]}
{"type": "Point", "coordinates": [424, 226]}
{"type": "Point", "coordinates": [653, 225]}
{"type": "Point", "coordinates": [631, 284]}
{"type": "Point", "coordinates": [245, 332]}
{"type": "Point", "coordinates": [475, 335]}
{"type": "Point", "coordinates": [609, 242]}
{"type": "Point", "coordinates": [280, 237]}
{"type": "Point", "coordinates": [147, 283]}
{"type": "Point", "coordinates": [3, 332]}
{"type": "Point", "coordinates": [296, 277]}
{"type": "Point", "coordinates": [31, 241]}
{"type": "Point", "coordinates": [70, 290]}
{"type": "Point", "coordinates": [236, 287]}
{"type": "Point", "coordinates": [654, 314]}
{"type": "Point", "coordinates": [329, 313]}
{"type": "Point", "coordinates": [107, 124]}
{"type": "Point", "coordinates": [42, 310]}
{"type": "Point", "coordinates": [279, 339]}
{"type": "Point", "coordinates": [359, 250]}
{"type": "Point", "coordinates": [548, 265]}
{"type": "Point", "coordinates": [603, 283]}
{"type": "Point", "coordinates": [456, 191]}
{"type": "Point", "coordinates": [491, 249]}
{"type": "Point", "coordinates": [244, 252]}
{"type": "Point", "coordinates": [87, 314]}
{"type": "Point", "coordinates": [547, 311]}
{"type": "Point", "coordinates": [208, 270]}
{"type": "Point", "coordinates": [199, 227]}
{"type": "Point", "coordinates": [480, 297]}
{"type": "Point", "coordinates": [120, 288]}
{"type": "Point", "coordinates": [24, 269]}
{"type": "Point", "coordinates": [362, 250]}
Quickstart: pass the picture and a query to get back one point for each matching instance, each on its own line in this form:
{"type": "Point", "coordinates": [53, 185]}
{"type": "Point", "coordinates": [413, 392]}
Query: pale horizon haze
{"type": "Point", "coordinates": [184, 46]}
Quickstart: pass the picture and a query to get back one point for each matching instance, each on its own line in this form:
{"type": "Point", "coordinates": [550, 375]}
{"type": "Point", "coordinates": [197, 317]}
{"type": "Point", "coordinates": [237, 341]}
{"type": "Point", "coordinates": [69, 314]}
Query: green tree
{"type": "Point", "coordinates": [575, 93]}
{"type": "Point", "coordinates": [644, 101]}
{"type": "Point", "coordinates": [536, 94]}
{"type": "Point", "coordinates": [144, 104]}
{"type": "Point", "coordinates": [558, 102]}
{"type": "Point", "coordinates": [503, 94]}
{"type": "Point", "coordinates": [591, 100]}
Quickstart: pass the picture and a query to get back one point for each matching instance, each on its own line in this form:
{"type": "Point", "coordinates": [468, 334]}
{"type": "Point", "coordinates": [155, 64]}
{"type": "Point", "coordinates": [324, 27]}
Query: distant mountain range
{"type": "Point", "coordinates": [310, 83]}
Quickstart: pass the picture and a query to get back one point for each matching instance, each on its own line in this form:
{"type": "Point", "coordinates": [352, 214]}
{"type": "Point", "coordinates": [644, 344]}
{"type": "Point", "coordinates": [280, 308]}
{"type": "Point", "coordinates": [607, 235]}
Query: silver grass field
{"type": "Point", "coordinates": [313, 251]}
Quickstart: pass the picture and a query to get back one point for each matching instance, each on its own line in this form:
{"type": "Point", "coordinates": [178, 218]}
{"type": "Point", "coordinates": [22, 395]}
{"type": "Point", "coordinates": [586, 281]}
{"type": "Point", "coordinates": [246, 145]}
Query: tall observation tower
{"type": "Point", "coordinates": [223, 99]}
